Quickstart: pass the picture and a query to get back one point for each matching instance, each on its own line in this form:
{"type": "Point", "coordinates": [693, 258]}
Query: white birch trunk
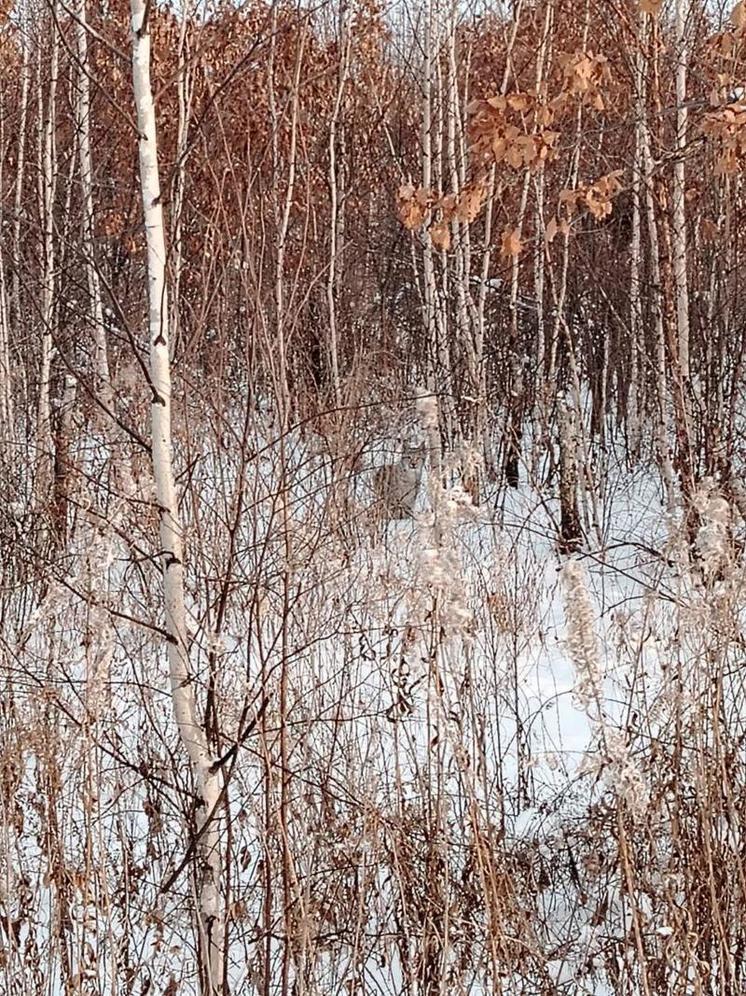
{"type": "Point", "coordinates": [427, 177]}
{"type": "Point", "coordinates": [210, 912]}
{"type": "Point", "coordinates": [83, 114]}
{"type": "Point", "coordinates": [543, 391]}
{"type": "Point", "coordinates": [635, 292]}
{"type": "Point", "coordinates": [465, 340]}
{"type": "Point", "coordinates": [20, 172]}
{"type": "Point", "coordinates": [6, 394]}
{"type": "Point", "coordinates": [48, 187]}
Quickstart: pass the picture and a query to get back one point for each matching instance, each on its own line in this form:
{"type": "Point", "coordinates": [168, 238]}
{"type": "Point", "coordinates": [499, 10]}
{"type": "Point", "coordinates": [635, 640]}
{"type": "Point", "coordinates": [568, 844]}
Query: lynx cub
{"type": "Point", "coordinates": [396, 484]}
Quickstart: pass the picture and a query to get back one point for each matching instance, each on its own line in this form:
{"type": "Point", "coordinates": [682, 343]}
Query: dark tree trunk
{"type": "Point", "coordinates": [571, 533]}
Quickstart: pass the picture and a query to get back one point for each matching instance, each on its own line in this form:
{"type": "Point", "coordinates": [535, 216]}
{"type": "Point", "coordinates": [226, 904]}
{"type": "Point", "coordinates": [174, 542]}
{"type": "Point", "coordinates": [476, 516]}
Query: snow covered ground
{"type": "Point", "coordinates": [465, 765]}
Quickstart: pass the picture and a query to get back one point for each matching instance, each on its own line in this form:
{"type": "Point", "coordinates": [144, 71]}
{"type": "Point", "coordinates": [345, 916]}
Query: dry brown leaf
{"type": "Point", "coordinates": [470, 203]}
{"type": "Point", "coordinates": [738, 16]}
{"type": "Point", "coordinates": [613, 182]}
{"type": "Point", "coordinates": [413, 205]}
{"type": "Point", "coordinates": [551, 231]}
{"type": "Point", "coordinates": [584, 70]}
{"type": "Point", "coordinates": [569, 198]}
{"type": "Point", "coordinates": [709, 230]}
{"type": "Point", "coordinates": [651, 7]}
{"type": "Point", "coordinates": [411, 215]}
{"type": "Point", "coordinates": [519, 101]}
{"type": "Point", "coordinates": [514, 156]}
{"type": "Point", "coordinates": [497, 103]}
{"type": "Point", "coordinates": [448, 205]}
{"type": "Point", "coordinates": [511, 242]}
{"type": "Point", "coordinates": [598, 203]}
{"type": "Point", "coordinates": [440, 233]}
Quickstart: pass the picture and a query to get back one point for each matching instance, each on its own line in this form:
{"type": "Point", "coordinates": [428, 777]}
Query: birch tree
{"type": "Point", "coordinates": [6, 392]}
{"type": "Point", "coordinates": [47, 187]}
{"type": "Point", "coordinates": [83, 114]}
{"type": "Point", "coordinates": [210, 915]}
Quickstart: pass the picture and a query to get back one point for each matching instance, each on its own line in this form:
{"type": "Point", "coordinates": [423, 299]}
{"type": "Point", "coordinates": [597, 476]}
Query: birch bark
{"type": "Point", "coordinates": [6, 394]}
{"type": "Point", "coordinates": [47, 191]}
{"type": "Point", "coordinates": [20, 173]}
{"type": "Point", "coordinates": [83, 113]}
{"type": "Point", "coordinates": [635, 285]}
{"type": "Point", "coordinates": [210, 914]}
{"type": "Point", "coordinates": [428, 269]}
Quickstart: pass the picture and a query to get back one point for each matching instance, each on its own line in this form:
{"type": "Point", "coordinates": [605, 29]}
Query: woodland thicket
{"type": "Point", "coordinates": [254, 739]}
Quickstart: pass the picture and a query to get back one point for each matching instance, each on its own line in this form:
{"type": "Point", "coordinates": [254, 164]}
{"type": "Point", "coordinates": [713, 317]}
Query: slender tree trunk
{"type": "Point", "coordinates": [516, 397]}
{"type": "Point", "coordinates": [63, 461]}
{"type": "Point", "coordinates": [540, 389]}
{"type": "Point", "coordinates": [210, 914]}
{"type": "Point", "coordinates": [676, 246]}
{"type": "Point", "coordinates": [20, 173]}
{"type": "Point", "coordinates": [571, 533]}
{"type": "Point", "coordinates": [432, 321]}
{"type": "Point", "coordinates": [483, 431]}
{"type": "Point", "coordinates": [185, 87]}
{"type": "Point", "coordinates": [83, 114]}
{"type": "Point", "coordinates": [6, 392]}
{"type": "Point", "coordinates": [662, 423]}
{"type": "Point", "coordinates": [679, 189]}
{"type": "Point", "coordinates": [48, 188]}
{"type": "Point", "coordinates": [632, 408]}
{"type": "Point", "coordinates": [334, 221]}
{"type": "Point", "coordinates": [292, 956]}
{"type": "Point", "coordinates": [715, 428]}
{"type": "Point", "coordinates": [283, 221]}
{"type": "Point", "coordinates": [515, 400]}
